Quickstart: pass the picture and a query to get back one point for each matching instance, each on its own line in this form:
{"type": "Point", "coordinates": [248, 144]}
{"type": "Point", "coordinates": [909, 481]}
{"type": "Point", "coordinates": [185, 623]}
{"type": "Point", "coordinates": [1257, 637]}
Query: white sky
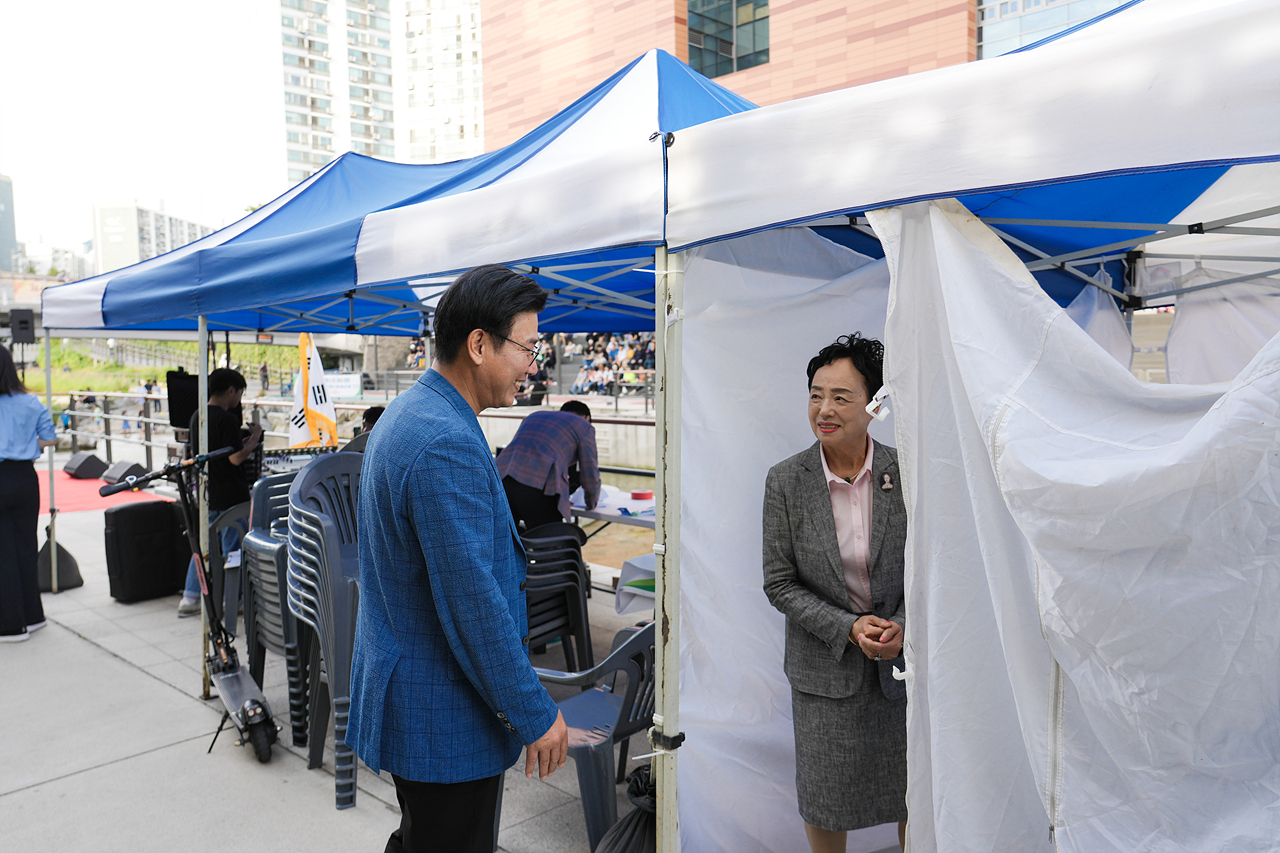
{"type": "Point", "coordinates": [108, 102]}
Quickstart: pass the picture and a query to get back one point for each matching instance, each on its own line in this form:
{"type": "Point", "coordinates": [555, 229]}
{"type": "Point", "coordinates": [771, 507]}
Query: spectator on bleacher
{"type": "Point", "coordinates": [535, 466]}
{"type": "Point", "coordinates": [580, 382]}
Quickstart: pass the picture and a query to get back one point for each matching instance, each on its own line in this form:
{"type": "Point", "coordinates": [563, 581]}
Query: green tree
{"type": "Point", "coordinates": [53, 271]}
{"type": "Point", "coordinates": [31, 268]}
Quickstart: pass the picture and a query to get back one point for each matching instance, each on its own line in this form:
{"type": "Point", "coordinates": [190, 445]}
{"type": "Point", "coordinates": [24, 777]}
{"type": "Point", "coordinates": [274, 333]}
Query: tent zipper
{"type": "Point", "coordinates": [1055, 753]}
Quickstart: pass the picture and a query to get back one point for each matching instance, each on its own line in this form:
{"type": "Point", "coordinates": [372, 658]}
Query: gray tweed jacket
{"type": "Point", "coordinates": [804, 578]}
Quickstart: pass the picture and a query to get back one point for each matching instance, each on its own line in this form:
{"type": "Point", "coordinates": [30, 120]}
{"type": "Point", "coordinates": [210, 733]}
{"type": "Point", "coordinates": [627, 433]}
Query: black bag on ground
{"type": "Point", "coordinates": [636, 832]}
{"type": "Point", "coordinates": [147, 550]}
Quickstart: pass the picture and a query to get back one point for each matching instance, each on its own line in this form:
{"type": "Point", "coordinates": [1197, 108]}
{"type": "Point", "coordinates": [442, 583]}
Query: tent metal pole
{"type": "Point", "coordinates": [1132, 260]}
{"type": "Point", "coordinates": [202, 408]}
{"type": "Point", "coordinates": [1235, 280]}
{"type": "Point", "coordinates": [53, 506]}
{"type": "Point", "coordinates": [665, 734]}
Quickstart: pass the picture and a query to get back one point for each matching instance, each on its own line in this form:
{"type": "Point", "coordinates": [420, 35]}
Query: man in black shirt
{"type": "Point", "coordinates": [226, 481]}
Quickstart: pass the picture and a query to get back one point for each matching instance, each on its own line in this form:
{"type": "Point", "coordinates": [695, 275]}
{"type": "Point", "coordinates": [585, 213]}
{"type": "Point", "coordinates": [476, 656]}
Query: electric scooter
{"type": "Point", "coordinates": [241, 697]}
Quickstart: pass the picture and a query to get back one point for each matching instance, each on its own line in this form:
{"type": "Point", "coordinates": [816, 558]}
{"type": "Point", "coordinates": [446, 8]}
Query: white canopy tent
{"type": "Point", "coordinates": [1150, 132]}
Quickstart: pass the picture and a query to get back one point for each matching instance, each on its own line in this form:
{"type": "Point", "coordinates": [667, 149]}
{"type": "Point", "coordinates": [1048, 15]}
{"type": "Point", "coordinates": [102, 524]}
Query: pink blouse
{"type": "Point", "coordinates": [851, 506]}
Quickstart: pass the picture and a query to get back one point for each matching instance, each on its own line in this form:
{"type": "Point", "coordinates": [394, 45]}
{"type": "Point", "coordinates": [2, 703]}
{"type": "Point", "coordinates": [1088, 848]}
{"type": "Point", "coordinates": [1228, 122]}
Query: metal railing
{"type": "Point", "coordinates": [119, 413]}
{"type": "Point", "coordinates": [73, 416]}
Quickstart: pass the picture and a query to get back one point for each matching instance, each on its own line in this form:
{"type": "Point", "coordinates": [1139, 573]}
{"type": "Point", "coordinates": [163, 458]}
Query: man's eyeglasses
{"type": "Point", "coordinates": [533, 353]}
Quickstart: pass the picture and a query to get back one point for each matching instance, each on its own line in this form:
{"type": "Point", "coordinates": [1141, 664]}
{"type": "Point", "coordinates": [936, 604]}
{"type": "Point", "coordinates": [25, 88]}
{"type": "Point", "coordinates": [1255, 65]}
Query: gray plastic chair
{"type": "Point", "coordinates": [269, 624]}
{"type": "Point", "coordinates": [225, 581]}
{"type": "Point", "coordinates": [604, 715]}
{"type": "Point", "coordinates": [557, 609]}
{"type": "Point", "coordinates": [546, 549]}
{"type": "Point", "coordinates": [323, 591]}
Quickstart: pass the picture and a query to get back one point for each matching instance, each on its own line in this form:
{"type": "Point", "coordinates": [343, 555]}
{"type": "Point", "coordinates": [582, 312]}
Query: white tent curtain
{"type": "Point", "coordinates": [1217, 332]}
{"type": "Point", "coordinates": [1097, 313]}
{"type": "Point", "coordinates": [1091, 570]}
{"type": "Point", "coordinates": [756, 310]}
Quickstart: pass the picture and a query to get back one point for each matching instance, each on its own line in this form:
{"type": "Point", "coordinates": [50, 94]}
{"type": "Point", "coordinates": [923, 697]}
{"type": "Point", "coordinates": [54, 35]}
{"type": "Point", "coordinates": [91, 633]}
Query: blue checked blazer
{"type": "Point", "coordinates": [441, 685]}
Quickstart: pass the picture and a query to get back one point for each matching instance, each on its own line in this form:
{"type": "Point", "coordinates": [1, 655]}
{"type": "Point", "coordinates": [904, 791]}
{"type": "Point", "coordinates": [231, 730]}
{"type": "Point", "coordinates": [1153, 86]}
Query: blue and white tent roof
{"type": "Point", "coordinates": [356, 246]}
{"type": "Point", "coordinates": [1072, 148]}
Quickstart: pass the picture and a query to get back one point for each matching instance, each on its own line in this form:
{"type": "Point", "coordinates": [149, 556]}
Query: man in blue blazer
{"type": "Point", "coordinates": [442, 691]}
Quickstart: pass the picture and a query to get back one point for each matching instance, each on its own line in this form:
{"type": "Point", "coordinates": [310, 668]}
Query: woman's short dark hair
{"type": "Point", "coordinates": [867, 355]}
{"type": "Point", "coordinates": [10, 382]}
{"type": "Point", "coordinates": [487, 298]}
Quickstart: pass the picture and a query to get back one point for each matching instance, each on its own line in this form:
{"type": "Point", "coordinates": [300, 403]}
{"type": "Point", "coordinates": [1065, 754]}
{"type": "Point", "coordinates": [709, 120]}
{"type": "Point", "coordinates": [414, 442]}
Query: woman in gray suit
{"type": "Point", "coordinates": [835, 531]}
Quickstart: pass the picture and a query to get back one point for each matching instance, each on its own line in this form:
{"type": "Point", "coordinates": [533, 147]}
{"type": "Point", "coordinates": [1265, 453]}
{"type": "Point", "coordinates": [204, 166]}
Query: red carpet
{"type": "Point", "coordinates": [74, 495]}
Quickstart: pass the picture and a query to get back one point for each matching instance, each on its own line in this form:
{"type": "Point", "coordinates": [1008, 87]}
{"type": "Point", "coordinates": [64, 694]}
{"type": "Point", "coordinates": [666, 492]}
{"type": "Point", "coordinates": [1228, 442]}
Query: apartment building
{"type": "Point", "coordinates": [128, 234]}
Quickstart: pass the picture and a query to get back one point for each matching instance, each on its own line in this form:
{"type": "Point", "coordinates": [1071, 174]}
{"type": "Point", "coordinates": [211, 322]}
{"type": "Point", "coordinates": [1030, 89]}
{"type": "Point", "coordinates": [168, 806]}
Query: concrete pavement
{"type": "Point", "coordinates": [105, 736]}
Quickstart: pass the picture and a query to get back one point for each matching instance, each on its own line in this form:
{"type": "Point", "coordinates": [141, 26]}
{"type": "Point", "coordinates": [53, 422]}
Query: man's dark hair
{"type": "Point", "coordinates": [867, 355]}
{"type": "Point", "coordinates": [577, 407]}
{"type": "Point", "coordinates": [372, 414]}
{"type": "Point", "coordinates": [10, 383]}
{"type": "Point", "coordinates": [486, 298]}
{"type": "Point", "coordinates": [223, 379]}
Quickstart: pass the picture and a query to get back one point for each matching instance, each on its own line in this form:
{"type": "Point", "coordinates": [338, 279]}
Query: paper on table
{"type": "Point", "coordinates": [635, 585]}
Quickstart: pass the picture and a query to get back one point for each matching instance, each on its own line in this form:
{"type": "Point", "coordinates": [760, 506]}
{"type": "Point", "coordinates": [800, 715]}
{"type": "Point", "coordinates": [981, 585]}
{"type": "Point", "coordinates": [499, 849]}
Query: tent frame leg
{"type": "Point", "coordinates": [202, 408]}
{"type": "Point", "coordinates": [665, 734]}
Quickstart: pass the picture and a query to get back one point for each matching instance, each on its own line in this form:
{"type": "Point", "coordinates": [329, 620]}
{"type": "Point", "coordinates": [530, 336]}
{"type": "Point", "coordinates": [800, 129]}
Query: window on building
{"type": "Point", "coordinates": [295, 98]}
{"type": "Point", "coordinates": [728, 35]}
{"type": "Point", "coordinates": [1006, 25]}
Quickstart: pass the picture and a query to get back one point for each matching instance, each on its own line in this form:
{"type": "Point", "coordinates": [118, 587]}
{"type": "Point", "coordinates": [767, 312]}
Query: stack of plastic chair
{"type": "Point", "coordinates": [324, 592]}
{"type": "Point", "coordinates": [268, 622]}
{"type": "Point", "coordinates": [557, 605]}
{"type": "Point", "coordinates": [609, 712]}
{"type": "Point", "coordinates": [552, 543]}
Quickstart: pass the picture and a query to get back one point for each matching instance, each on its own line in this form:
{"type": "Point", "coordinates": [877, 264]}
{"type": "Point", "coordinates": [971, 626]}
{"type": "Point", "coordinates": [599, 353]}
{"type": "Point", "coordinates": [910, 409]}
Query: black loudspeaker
{"type": "Point", "coordinates": [184, 391]}
{"type": "Point", "coordinates": [122, 470]}
{"type": "Point", "coordinates": [22, 322]}
{"type": "Point", "coordinates": [85, 466]}
{"type": "Point", "coordinates": [147, 550]}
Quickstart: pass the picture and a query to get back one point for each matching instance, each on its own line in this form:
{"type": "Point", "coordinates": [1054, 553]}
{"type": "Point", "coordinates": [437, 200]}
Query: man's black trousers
{"type": "Point", "coordinates": [435, 817]}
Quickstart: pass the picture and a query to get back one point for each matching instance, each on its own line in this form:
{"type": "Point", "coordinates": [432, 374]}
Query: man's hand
{"type": "Point", "coordinates": [548, 753]}
{"type": "Point", "coordinates": [255, 435]}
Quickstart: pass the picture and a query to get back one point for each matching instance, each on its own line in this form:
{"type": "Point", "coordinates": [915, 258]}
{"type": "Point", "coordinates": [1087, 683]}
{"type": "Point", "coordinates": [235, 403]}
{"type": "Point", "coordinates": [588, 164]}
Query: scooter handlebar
{"type": "Point", "coordinates": [135, 483]}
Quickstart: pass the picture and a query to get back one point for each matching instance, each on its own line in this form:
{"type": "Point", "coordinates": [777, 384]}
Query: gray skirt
{"type": "Point", "coordinates": [851, 757]}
